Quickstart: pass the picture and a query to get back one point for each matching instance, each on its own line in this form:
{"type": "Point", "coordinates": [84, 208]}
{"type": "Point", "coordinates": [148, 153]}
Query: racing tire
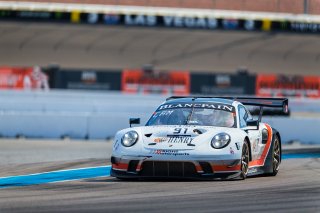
{"type": "Point", "coordinates": [244, 160]}
{"type": "Point", "coordinates": [276, 156]}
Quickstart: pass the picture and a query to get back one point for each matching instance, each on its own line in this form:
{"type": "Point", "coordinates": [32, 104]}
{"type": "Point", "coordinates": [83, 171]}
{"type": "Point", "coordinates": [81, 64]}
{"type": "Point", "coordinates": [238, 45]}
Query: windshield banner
{"type": "Point", "coordinates": [217, 106]}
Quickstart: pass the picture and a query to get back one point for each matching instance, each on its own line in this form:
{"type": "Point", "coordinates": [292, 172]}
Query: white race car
{"type": "Point", "coordinates": [200, 137]}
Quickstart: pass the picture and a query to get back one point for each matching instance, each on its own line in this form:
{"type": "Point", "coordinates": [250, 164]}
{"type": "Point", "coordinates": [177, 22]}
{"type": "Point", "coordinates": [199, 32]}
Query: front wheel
{"type": "Point", "coordinates": [244, 160]}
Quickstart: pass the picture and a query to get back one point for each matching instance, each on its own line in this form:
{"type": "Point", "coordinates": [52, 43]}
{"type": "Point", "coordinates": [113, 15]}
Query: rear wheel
{"type": "Point", "coordinates": [276, 156]}
{"type": "Point", "coordinates": [244, 160]}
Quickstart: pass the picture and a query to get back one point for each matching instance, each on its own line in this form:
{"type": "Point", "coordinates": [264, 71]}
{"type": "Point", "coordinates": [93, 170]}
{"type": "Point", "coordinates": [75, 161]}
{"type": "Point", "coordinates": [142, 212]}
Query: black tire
{"type": "Point", "coordinates": [244, 160]}
{"type": "Point", "coordinates": [276, 156]}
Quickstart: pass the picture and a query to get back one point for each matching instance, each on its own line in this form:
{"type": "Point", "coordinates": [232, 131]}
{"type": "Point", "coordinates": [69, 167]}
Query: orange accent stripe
{"type": "Point", "coordinates": [221, 168]}
{"type": "Point", "coordinates": [261, 160]}
{"type": "Point", "coordinates": [139, 167]}
{"type": "Point", "coordinates": [122, 166]}
{"type": "Point", "coordinates": [199, 168]}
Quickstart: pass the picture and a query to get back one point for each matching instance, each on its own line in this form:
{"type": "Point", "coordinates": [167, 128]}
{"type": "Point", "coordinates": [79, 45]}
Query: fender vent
{"type": "Point", "coordinates": [133, 165]}
{"type": "Point", "coordinates": [206, 167]}
{"type": "Point", "coordinates": [148, 135]}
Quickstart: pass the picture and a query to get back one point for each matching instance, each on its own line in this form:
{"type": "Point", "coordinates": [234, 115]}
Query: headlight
{"type": "Point", "coordinates": [220, 140]}
{"type": "Point", "coordinates": [129, 138]}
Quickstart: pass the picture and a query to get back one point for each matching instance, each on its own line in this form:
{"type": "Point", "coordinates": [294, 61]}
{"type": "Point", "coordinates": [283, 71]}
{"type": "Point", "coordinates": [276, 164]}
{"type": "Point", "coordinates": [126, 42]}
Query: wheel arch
{"type": "Point", "coordinates": [249, 144]}
{"type": "Point", "coordinates": [276, 132]}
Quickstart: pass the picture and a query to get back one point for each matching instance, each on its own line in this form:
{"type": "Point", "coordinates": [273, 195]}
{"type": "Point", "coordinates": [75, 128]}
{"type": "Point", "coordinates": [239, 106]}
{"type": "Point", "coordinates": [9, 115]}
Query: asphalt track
{"type": "Point", "coordinates": [295, 189]}
{"type": "Point", "coordinates": [102, 47]}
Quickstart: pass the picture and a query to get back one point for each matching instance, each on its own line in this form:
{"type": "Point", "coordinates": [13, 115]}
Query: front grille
{"type": "Point", "coordinates": [168, 169]}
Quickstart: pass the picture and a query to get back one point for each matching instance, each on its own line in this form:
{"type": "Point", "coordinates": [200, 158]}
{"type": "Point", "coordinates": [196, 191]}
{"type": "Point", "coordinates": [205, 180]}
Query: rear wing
{"type": "Point", "coordinates": [251, 101]}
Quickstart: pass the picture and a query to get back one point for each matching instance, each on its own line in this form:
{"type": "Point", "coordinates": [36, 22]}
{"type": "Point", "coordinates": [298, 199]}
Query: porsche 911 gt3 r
{"type": "Point", "coordinates": [200, 137]}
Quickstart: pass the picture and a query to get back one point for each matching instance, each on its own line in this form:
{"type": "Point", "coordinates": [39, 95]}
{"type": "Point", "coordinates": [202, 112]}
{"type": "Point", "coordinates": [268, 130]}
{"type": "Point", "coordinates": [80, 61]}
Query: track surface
{"type": "Point", "coordinates": [295, 189]}
{"type": "Point", "coordinates": [84, 46]}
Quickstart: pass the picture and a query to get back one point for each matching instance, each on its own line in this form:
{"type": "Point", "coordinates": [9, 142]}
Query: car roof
{"type": "Point", "coordinates": [200, 100]}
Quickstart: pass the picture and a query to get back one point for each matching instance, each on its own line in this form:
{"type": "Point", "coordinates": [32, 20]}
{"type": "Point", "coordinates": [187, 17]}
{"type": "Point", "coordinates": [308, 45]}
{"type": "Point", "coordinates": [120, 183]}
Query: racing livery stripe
{"type": "Point", "coordinates": [221, 168]}
{"type": "Point", "coordinates": [120, 166]}
{"type": "Point", "coordinates": [261, 160]}
{"type": "Point", "coordinates": [199, 168]}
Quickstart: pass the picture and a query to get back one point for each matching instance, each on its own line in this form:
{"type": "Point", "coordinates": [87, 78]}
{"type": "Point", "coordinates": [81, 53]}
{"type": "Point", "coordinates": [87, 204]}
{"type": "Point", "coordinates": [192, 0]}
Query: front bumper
{"type": "Point", "coordinates": [144, 167]}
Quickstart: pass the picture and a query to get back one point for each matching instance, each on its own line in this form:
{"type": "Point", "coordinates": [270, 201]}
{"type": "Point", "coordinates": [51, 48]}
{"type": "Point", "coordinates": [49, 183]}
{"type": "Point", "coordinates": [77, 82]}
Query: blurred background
{"type": "Point", "coordinates": [81, 69]}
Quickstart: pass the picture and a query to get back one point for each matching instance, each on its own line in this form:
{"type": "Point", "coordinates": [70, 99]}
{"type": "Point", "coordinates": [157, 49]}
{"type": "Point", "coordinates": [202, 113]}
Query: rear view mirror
{"type": "Point", "coordinates": [134, 121]}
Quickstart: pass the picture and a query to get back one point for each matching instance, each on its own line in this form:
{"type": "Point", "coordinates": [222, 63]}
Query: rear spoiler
{"type": "Point", "coordinates": [250, 101]}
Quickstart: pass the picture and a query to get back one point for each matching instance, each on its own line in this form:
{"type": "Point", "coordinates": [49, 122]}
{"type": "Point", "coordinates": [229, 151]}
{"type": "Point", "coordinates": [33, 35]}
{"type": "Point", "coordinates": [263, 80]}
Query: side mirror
{"type": "Point", "coordinates": [254, 123]}
{"type": "Point", "coordinates": [134, 121]}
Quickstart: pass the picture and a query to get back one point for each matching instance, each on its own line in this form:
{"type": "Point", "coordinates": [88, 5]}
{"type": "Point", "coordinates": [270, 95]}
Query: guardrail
{"type": "Point", "coordinates": [98, 115]}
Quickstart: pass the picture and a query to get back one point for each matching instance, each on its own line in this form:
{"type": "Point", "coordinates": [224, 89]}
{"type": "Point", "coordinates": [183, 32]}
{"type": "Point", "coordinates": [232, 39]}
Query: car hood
{"type": "Point", "coordinates": [178, 137]}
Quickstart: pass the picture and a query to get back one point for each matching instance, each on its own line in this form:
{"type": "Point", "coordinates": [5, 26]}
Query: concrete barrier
{"type": "Point", "coordinates": [98, 115]}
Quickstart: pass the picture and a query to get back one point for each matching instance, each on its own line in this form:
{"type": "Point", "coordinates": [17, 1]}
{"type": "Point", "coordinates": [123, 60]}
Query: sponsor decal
{"type": "Point", "coordinates": [141, 20]}
{"type": "Point", "coordinates": [180, 139]}
{"type": "Point", "coordinates": [305, 27]}
{"type": "Point", "coordinates": [168, 152]}
{"type": "Point", "coordinates": [75, 16]}
{"type": "Point", "coordinates": [231, 151]}
{"type": "Point", "coordinates": [238, 146]}
{"type": "Point", "coordinates": [89, 77]}
{"type": "Point", "coordinates": [190, 22]}
{"type": "Point", "coordinates": [160, 140]}
{"type": "Point", "coordinates": [116, 145]}
{"type": "Point", "coordinates": [223, 80]}
{"type": "Point", "coordinates": [230, 24]}
{"type": "Point", "coordinates": [147, 81]}
{"type": "Point", "coordinates": [111, 19]}
{"type": "Point", "coordinates": [92, 18]}
{"type": "Point", "coordinates": [224, 107]}
{"type": "Point", "coordinates": [34, 14]}
{"type": "Point", "coordinates": [294, 85]}
{"type": "Point", "coordinates": [249, 25]}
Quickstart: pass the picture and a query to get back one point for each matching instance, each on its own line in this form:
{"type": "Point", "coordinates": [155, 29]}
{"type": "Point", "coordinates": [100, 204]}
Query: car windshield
{"type": "Point", "coordinates": [201, 114]}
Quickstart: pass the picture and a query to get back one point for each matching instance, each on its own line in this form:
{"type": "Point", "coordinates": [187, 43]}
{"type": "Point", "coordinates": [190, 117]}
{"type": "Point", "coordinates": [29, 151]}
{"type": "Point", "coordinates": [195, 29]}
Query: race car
{"type": "Point", "coordinates": [200, 137]}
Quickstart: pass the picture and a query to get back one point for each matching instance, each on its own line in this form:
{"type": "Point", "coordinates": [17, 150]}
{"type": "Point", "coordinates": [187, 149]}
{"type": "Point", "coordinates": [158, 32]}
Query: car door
{"type": "Point", "coordinates": [254, 134]}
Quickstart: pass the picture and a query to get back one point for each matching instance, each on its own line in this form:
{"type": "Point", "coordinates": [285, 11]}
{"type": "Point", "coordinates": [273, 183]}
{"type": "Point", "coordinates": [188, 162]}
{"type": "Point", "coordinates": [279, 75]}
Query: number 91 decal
{"type": "Point", "coordinates": [180, 130]}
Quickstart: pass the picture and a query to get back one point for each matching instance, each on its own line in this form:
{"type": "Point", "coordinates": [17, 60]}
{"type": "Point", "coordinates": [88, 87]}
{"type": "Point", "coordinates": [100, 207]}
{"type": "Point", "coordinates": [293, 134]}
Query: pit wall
{"type": "Point", "coordinates": [99, 115]}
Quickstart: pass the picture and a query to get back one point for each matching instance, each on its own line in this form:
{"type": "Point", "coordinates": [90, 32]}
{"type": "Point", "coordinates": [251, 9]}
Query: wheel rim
{"type": "Point", "coordinates": [245, 159]}
{"type": "Point", "coordinates": [276, 155]}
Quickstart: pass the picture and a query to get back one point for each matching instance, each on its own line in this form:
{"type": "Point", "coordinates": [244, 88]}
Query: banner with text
{"type": "Point", "coordinates": [189, 22]}
{"type": "Point", "coordinates": [288, 86]}
{"type": "Point", "coordinates": [140, 81]}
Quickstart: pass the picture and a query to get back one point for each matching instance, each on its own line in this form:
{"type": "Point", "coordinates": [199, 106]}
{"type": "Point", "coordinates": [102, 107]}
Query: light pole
{"type": "Point", "coordinates": [306, 6]}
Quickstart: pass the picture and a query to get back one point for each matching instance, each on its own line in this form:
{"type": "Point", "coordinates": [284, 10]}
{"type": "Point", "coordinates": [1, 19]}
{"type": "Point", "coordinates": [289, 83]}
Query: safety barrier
{"type": "Point", "coordinates": [159, 17]}
{"type": "Point", "coordinates": [98, 115]}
